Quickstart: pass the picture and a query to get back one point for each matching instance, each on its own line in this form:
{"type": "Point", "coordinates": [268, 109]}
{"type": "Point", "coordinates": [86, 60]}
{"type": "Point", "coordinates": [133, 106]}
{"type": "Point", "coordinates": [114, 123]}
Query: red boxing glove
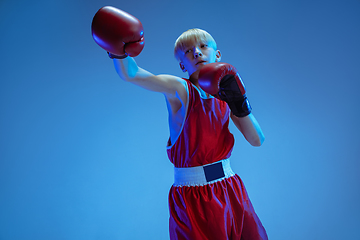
{"type": "Point", "coordinates": [118, 32]}
{"type": "Point", "coordinates": [224, 82]}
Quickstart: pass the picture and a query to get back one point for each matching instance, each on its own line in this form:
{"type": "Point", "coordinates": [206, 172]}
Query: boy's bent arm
{"type": "Point", "coordinates": [129, 71]}
{"type": "Point", "coordinates": [250, 128]}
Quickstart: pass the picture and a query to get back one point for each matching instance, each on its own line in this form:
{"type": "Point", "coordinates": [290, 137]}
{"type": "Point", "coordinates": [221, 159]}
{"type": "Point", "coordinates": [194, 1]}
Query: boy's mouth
{"type": "Point", "coordinates": [202, 61]}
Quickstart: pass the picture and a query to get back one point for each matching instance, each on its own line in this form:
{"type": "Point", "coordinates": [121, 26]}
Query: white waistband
{"type": "Point", "coordinates": [196, 176]}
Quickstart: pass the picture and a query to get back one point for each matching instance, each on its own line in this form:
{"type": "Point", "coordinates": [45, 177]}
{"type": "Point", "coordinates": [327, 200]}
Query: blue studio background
{"type": "Point", "coordinates": [83, 153]}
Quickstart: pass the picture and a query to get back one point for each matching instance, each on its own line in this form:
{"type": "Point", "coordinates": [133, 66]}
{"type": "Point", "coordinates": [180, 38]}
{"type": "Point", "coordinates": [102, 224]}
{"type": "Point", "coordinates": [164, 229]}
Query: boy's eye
{"type": "Point", "coordinates": [204, 45]}
{"type": "Point", "coordinates": [187, 51]}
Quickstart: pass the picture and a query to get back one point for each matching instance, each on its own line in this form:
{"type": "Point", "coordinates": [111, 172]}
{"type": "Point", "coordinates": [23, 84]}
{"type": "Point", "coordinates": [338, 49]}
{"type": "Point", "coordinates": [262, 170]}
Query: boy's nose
{"type": "Point", "coordinates": [197, 53]}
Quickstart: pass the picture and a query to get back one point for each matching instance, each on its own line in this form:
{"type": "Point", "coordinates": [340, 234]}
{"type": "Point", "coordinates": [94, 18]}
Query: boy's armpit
{"type": "Point", "coordinates": [177, 98]}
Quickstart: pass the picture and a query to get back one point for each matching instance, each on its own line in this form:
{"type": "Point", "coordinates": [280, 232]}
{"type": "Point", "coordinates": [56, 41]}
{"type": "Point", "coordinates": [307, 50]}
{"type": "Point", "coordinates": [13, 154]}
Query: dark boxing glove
{"type": "Point", "coordinates": [222, 81]}
{"type": "Point", "coordinates": [118, 32]}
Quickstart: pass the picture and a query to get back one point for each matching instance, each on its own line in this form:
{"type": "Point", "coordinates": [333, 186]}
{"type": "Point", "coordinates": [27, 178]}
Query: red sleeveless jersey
{"type": "Point", "coordinates": [205, 137]}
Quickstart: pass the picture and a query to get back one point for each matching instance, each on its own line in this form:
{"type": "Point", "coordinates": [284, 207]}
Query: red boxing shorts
{"type": "Point", "coordinates": [219, 210]}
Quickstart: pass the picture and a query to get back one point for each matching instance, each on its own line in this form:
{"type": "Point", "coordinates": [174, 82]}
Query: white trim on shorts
{"type": "Point", "coordinates": [195, 176]}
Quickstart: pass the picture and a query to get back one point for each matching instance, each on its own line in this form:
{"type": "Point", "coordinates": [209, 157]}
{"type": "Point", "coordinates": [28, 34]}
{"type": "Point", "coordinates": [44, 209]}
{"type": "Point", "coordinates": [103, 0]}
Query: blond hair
{"type": "Point", "coordinates": [194, 34]}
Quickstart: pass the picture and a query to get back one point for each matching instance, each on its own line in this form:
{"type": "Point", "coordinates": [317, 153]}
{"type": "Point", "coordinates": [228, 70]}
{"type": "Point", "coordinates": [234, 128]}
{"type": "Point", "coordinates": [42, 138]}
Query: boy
{"type": "Point", "coordinates": [207, 200]}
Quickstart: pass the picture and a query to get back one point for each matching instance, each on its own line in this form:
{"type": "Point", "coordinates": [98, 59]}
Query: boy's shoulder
{"type": "Point", "coordinates": [174, 80]}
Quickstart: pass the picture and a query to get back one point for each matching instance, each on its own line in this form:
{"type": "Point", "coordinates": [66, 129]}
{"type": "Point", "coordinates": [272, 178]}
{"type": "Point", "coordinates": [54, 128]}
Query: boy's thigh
{"type": "Point", "coordinates": [200, 213]}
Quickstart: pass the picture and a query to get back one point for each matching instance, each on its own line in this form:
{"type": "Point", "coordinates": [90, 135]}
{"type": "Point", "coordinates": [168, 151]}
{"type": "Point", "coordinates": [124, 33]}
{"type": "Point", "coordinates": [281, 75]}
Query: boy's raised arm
{"type": "Point", "coordinates": [129, 71]}
{"type": "Point", "coordinates": [122, 36]}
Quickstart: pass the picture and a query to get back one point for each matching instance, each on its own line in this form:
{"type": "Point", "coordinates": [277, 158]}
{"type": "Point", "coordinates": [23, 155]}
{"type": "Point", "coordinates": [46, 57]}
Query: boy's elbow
{"type": "Point", "coordinates": [257, 142]}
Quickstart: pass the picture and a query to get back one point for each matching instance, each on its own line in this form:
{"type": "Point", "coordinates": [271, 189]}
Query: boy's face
{"type": "Point", "coordinates": [195, 55]}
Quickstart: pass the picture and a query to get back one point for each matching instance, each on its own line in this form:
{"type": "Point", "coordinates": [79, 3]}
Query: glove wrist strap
{"type": "Point", "coordinates": [113, 56]}
{"type": "Point", "coordinates": [240, 107]}
{"type": "Point", "coordinates": [231, 93]}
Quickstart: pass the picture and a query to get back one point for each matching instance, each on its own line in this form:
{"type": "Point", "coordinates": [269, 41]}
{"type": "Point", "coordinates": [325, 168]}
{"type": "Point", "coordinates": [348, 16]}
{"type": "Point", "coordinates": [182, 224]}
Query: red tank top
{"type": "Point", "coordinates": [205, 137]}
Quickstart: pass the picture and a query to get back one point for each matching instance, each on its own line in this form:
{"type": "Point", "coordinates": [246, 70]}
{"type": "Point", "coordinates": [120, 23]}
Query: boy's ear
{"type": "Point", "coordinates": [182, 67]}
{"type": "Point", "coordinates": [218, 56]}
